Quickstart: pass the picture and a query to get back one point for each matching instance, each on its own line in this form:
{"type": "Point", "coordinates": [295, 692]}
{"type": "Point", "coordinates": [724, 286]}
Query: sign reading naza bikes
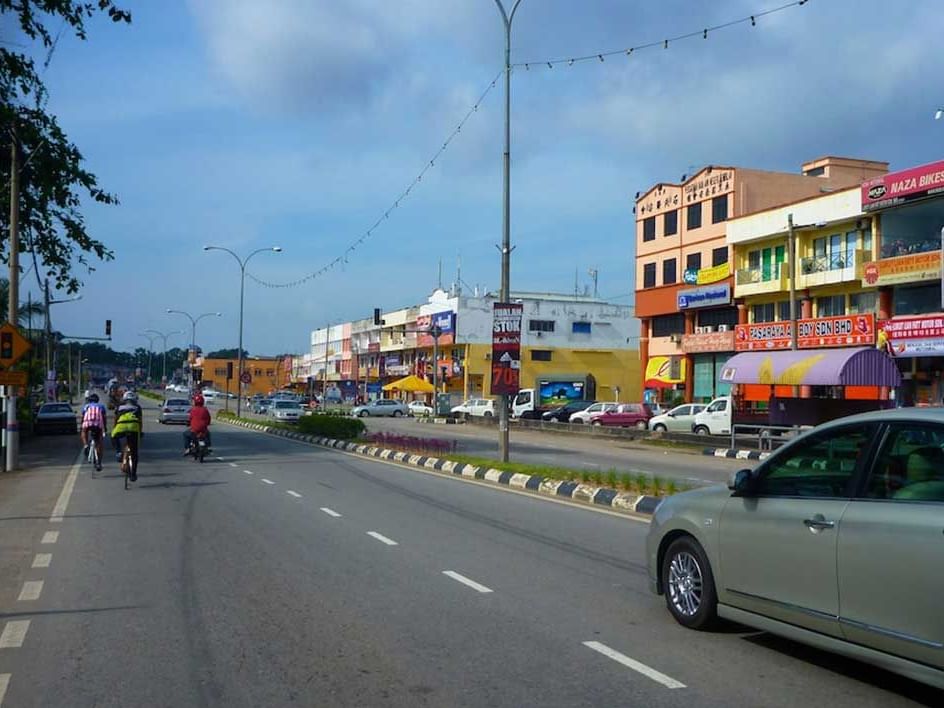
{"type": "Point", "coordinates": [842, 331]}
{"type": "Point", "coordinates": [506, 347]}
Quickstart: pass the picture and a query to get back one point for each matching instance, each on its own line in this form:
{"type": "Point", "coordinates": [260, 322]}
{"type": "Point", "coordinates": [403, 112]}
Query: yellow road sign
{"type": "Point", "coordinates": [13, 345]}
{"type": "Point", "coordinates": [12, 378]}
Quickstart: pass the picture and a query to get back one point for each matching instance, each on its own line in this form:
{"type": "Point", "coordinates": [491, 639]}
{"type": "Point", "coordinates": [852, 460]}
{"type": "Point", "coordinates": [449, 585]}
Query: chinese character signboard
{"type": "Point", "coordinates": [843, 331]}
{"type": "Point", "coordinates": [506, 348]}
{"type": "Point", "coordinates": [901, 187]}
{"type": "Point", "coordinates": [913, 336]}
{"type": "Point", "coordinates": [903, 269]}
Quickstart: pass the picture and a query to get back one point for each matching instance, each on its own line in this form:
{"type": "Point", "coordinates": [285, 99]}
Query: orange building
{"type": "Point", "coordinates": [684, 283]}
{"type": "Point", "coordinates": [267, 374]}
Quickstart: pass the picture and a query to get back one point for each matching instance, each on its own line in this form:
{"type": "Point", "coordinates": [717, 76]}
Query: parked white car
{"type": "Point", "coordinates": [586, 416]}
{"type": "Point", "coordinates": [677, 420]}
{"type": "Point", "coordinates": [419, 408]}
{"type": "Point", "coordinates": [475, 408]}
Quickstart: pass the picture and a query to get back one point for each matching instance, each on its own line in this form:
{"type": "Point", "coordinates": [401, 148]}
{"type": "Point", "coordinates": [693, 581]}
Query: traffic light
{"type": "Point", "coordinates": [377, 320]}
{"type": "Point", "coordinates": [229, 370]}
{"type": "Point", "coordinates": [107, 328]}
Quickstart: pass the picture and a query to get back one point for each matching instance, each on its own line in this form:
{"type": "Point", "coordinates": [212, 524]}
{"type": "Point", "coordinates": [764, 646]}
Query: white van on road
{"type": "Point", "coordinates": [715, 419]}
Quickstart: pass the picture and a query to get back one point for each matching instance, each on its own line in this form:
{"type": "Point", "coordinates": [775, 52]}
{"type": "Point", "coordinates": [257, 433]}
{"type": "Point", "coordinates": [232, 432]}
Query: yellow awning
{"type": "Point", "coordinates": [411, 384]}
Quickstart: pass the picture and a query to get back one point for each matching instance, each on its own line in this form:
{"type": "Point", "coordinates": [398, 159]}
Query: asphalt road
{"type": "Point", "coordinates": [291, 575]}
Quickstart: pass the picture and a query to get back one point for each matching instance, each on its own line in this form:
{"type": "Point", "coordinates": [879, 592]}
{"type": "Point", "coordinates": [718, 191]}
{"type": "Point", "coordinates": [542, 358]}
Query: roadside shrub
{"type": "Point", "coordinates": [612, 479]}
{"type": "Point", "coordinates": [329, 426]}
{"type": "Point", "coordinates": [641, 483]}
{"type": "Point", "coordinates": [585, 477]}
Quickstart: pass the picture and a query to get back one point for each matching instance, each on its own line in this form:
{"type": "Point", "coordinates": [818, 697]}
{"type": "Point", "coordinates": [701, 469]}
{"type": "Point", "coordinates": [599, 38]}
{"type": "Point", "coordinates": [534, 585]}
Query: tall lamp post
{"type": "Point", "coordinates": [242, 288]}
{"type": "Point", "coordinates": [193, 332]}
{"type": "Point", "coordinates": [150, 339]}
{"type": "Point", "coordinates": [164, 337]}
{"type": "Point", "coordinates": [507, 19]}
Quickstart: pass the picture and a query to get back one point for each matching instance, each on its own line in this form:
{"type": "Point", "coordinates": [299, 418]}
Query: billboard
{"type": "Point", "coordinates": [841, 331]}
{"type": "Point", "coordinates": [559, 393]}
{"type": "Point", "coordinates": [902, 187]}
{"type": "Point", "coordinates": [506, 347]}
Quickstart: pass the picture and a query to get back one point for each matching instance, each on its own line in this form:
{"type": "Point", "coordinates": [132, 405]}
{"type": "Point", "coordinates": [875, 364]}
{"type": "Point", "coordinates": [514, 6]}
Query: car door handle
{"type": "Point", "coordinates": [818, 524]}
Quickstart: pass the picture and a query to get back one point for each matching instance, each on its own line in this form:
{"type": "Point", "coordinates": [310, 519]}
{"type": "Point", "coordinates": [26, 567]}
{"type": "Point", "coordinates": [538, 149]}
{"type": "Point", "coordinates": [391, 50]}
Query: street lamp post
{"type": "Point", "coordinates": [193, 332]}
{"type": "Point", "coordinates": [242, 287]}
{"type": "Point", "coordinates": [164, 338]}
{"type": "Point", "coordinates": [150, 339]}
{"type": "Point", "coordinates": [507, 19]}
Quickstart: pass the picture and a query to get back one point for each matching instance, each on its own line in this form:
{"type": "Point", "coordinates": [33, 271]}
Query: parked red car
{"type": "Point", "coordinates": [626, 415]}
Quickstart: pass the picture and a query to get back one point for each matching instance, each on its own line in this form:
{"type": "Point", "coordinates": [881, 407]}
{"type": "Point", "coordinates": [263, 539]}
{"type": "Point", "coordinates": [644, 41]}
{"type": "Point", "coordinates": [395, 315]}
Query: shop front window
{"type": "Point", "coordinates": [913, 229]}
{"type": "Point", "coordinates": [917, 300]}
{"type": "Point", "coordinates": [863, 303]}
{"type": "Point", "coordinates": [831, 306]}
{"type": "Point", "coordinates": [667, 325]}
{"type": "Point", "coordinates": [763, 312]}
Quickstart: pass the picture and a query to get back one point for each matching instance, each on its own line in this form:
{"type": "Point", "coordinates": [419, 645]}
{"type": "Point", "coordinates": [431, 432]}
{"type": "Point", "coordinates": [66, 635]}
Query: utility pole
{"type": "Point", "coordinates": [324, 372]}
{"type": "Point", "coordinates": [12, 428]}
{"type": "Point", "coordinates": [791, 249]}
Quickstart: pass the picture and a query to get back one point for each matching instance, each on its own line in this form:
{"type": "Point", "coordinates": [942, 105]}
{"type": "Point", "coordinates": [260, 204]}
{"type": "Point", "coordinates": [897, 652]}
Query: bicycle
{"type": "Point", "coordinates": [92, 456]}
{"type": "Point", "coordinates": [128, 463]}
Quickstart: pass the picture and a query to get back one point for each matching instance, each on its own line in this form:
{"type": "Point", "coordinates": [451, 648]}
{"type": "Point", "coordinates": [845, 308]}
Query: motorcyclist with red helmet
{"type": "Point", "coordinates": [198, 424]}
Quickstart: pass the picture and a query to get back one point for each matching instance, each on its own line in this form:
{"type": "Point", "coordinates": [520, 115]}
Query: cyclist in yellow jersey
{"type": "Point", "coordinates": [128, 426]}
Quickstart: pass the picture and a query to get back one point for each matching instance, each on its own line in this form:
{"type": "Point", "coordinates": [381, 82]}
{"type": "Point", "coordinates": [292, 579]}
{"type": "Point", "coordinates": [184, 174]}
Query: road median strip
{"type": "Point", "coordinates": [588, 494]}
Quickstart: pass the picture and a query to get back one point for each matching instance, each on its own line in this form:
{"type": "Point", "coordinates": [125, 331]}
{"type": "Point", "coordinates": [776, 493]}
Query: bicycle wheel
{"type": "Point", "coordinates": [126, 464]}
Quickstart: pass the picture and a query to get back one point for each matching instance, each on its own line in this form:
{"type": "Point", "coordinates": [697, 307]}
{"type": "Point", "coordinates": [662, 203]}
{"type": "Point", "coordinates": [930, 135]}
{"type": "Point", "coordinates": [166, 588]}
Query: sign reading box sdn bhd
{"type": "Point", "coordinates": [506, 347]}
{"type": "Point", "coordinates": [708, 296]}
{"type": "Point", "coordinates": [842, 331]}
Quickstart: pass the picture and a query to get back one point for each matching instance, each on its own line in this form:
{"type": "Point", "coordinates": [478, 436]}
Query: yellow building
{"type": "Point", "coordinates": [266, 372]}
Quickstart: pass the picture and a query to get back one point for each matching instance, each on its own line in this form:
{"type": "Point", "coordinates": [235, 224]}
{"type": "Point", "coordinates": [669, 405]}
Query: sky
{"type": "Point", "coordinates": [298, 123]}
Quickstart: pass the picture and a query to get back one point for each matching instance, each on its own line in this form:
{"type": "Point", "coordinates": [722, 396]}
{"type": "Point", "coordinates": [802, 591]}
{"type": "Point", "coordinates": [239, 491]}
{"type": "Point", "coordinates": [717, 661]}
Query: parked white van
{"type": "Point", "coordinates": [715, 419]}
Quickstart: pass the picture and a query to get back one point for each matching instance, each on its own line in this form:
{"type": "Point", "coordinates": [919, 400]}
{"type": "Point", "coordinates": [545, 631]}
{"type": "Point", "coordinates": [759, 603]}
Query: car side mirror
{"type": "Point", "coordinates": [671, 415]}
{"type": "Point", "coordinates": [741, 482]}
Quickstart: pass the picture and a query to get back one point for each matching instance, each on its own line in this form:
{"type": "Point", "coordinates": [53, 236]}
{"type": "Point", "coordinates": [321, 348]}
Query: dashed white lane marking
{"type": "Point", "coordinates": [331, 512]}
{"type": "Point", "coordinates": [59, 510]}
{"type": "Point", "coordinates": [32, 589]}
{"type": "Point", "coordinates": [466, 581]}
{"type": "Point", "coordinates": [383, 539]}
{"type": "Point", "coordinates": [267, 481]}
{"type": "Point", "coordinates": [220, 459]}
{"type": "Point", "coordinates": [247, 471]}
{"type": "Point", "coordinates": [294, 494]}
{"type": "Point", "coordinates": [641, 668]}
{"type": "Point", "coordinates": [233, 464]}
{"type": "Point", "coordinates": [50, 537]}
{"type": "Point", "coordinates": [42, 560]}
{"type": "Point", "coordinates": [4, 682]}
{"type": "Point", "coordinates": [13, 634]}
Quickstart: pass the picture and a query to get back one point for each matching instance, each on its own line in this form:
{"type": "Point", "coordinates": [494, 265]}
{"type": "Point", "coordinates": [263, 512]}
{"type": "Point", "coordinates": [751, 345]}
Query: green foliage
{"type": "Point", "coordinates": [612, 479]}
{"type": "Point", "coordinates": [226, 354]}
{"type": "Point", "coordinates": [53, 181]}
{"type": "Point", "coordinates": [330, 426]}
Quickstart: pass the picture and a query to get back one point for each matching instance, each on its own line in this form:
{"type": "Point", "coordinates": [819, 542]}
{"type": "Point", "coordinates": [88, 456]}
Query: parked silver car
{"type": "Point", "coordinates": [835, 541]}
{"type": "Point", "coordinates": [175, 410]}
{"type": "Point", "coordinates": [381, 407]}
{"type": "Point", "coordinates": [283, 411]}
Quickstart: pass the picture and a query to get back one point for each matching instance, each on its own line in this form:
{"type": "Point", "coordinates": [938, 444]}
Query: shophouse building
{"type": "Point", "coordinates": [265, 374]}
{"type": "Point", "coordinates": [685, 284]}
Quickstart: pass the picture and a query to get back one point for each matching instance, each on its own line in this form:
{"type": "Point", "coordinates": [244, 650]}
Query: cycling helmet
{"type": "Point", "coordinates": [198, 400]}
{"type": "Point", "coordinates": [88, 395]}
{"type": "Point", "coordinates": [130, 397]}
{"type": "Point", "coordinates": [93, 398]}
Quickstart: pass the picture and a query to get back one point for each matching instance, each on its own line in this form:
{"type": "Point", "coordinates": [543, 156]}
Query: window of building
{"type": "Point", "coordinates": [784, 309]}
{"type": "Point", "coordinates": [863, 303]}
{"type": "Point", "coordinates": [722, 316]}
{"type": "Point", "coordinates": [668, 271]}
{"type": "Point", "coordinates": [719, 256]}
{"type": "Point", "coordinates": [693, 261]}
{"type": "Point", "coordinates": [540, 355]}
{"type": "Point", "coordinates": [694, 216]}
{"type": "Point", "coordinates": [649, 275]}
{"type": "Point", "coordinates": [867, 241]}
{"type": "Point", "coordinates": [831, 306]}
{"type": "Point", "coordinates": [649, 228]}
{"type": "Point", "coordinates": [719, 209]}
{"type": "Point", "coordinates": [540, 325]}
{"type": "Point", "coordinates": [753, 260]}
{"type": "Point", "coordinates": [917, 300]}
{"type": "Point", "coordinates": [912, 229]}
{"type": "Point", "coordinates": [257, 372]}
{"type": "Point", "coordinates": [670, 222]}
{"type": "Point", "coordinates": [580, 327]}
{"type": "Point", "coordinates": [763, 312]}
{"type": "Point", "coordinates": [667, 325]}
{"type": "Point", "coordinates": [270, 373]}
{"type": "Point", "coordinates": [219, 371]}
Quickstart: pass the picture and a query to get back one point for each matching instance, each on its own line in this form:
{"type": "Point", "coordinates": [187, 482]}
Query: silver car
{"type": "Point", "coordinates": [381, 407]}
{"type": "Point", "coordinates": [834, 541]}
{"type": "Point", "coordinates": [175, 410]}
{"type": "Point", "coordinates": [283, 411]}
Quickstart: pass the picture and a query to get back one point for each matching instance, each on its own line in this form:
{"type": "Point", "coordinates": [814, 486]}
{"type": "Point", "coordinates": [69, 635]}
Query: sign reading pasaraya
{"type": "Point", "coordinates": [842, 331]}
{"type": "Point", "coordinates": [506, 347]}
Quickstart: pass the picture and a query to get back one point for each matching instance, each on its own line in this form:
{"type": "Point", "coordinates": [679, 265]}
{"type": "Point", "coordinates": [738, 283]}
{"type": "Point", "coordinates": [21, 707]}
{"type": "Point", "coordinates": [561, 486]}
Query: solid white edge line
{"type": "Point", "coordinates": [641, 668]}
{"type": "Point", "coordinates": [50, 537]}
{"type": "Point", "coordinates": [4, 682]}
{"type": "Point", "coordinates": [32, 589]}
{"type": "Point", "coordinates": [42, 560]}
{"type": "Point", "coordinates": [14, 633]}
{"type": "Point", "coordinates": [331, 512]}
{"type": "Point", "coordinates": [59, 510]}
{"type": "Point", "coordinates": [294, 494]}
{"type": "Point", "coordinates": [383, 539]}
{"type": "Point", "coordinates": [466, 581]}
{"type": "Point", "coordinates": [267, 481]}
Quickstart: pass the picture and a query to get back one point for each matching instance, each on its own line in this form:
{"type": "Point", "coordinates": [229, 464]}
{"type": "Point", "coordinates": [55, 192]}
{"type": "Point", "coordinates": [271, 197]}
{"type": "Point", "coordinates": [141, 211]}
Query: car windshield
{"type": "Point", "coordinates": [177, 402]}
{"type": "Point", "coordinates": [286, 404]}
{"type": "Point", "coordinates": [56, 408]}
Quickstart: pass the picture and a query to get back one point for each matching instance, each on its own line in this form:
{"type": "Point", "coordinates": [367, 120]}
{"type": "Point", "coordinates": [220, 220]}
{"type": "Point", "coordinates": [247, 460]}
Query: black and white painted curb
{"type": "Point", "coordinates": [441, 421]}
{"type": "Point", "coordinates": [574, 491]}
{"type": "Point", "coordinates": [736, 454]}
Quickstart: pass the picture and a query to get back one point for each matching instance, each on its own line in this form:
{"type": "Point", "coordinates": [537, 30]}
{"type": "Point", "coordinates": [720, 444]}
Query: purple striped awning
{"type": "Point", "coordinates": [854, 366]}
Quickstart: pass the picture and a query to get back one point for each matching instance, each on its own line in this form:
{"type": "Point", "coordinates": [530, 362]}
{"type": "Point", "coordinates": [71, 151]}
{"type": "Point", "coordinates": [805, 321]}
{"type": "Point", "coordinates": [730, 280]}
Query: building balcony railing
{"type": "Point", "coordinates": [833, 268]}
{"type": "Point", "coordinates": [755, 281]}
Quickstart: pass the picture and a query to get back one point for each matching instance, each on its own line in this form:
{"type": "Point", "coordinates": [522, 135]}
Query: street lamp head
{"type": "Point", "coordinates": [207, 248]}
{"type": "Point", "coordinates": [169, 310]}
{"type": "Point", "coordinates": [938, 114]}
{"type": "Point", "coordinates": [277, 249]}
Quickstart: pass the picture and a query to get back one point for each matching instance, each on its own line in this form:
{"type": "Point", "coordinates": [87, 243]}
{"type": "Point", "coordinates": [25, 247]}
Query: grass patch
{"type": "Point", "coordinates": [150, 394]}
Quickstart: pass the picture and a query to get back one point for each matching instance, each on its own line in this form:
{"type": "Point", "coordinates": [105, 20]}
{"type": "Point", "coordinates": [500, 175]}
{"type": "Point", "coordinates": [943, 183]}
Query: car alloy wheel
{"type": "Point", "coordinates": [363, 414]}
{"type": "Point", "coordinates": [659, 428]}
{"type": "Point", "coordinates": [689, 585]}
{"type": "Point", "coordinates": [641, 425]}
{"type": "Point", "coordinates": [685, 584]}
{"type": "Point", "coordinates": [397, 414]}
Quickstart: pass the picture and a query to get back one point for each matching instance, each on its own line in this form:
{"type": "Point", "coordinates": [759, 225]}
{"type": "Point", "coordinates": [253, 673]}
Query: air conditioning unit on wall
{"type": "Point", "coordinates": [699, 330]}
{"type": "Point", "coordinates": [707, 329]}
{"type": "Point", "coordinates": [724, 328]}
{"type": "Point", "coordinates": [675, 338]}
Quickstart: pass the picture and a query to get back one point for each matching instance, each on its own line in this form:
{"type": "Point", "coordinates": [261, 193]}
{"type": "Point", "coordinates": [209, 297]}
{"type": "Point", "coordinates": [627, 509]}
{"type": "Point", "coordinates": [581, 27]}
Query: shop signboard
{"type": "Point", "coordinates": [912, 336]}
{"type": "Point", "coordinates": [902, 269]}
{"type": "Point", "coordinates": [705, 276]}
{"type": "Point", "coordinates": [708, 296]}
{"type": "Point", "coordinates": [815, 333]}
{"type": "Point", "coordinates": [506, 347]}
{"type": "Point", "coordinates": [445, 321]}
{"type": "Point", "coordinates": [710, 342]}
{"type": "Point", "coordinates": [897, 188]}
{"type": "Point", "coordinates": [665, 371]}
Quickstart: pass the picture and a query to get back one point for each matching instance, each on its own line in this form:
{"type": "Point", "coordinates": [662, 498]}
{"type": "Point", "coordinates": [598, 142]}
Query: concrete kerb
{"type": "Point", "coordinates": [733, 454]}
{"type": "Point", "coordinates": [574, 491]}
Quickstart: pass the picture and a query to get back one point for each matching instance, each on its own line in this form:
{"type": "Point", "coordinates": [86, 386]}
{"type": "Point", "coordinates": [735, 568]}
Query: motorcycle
{"type": "Point", "coordinates": [198, 448]}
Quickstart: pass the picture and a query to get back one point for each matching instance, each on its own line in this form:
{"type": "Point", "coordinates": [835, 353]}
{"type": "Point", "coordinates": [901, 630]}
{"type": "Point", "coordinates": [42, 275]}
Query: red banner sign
{"type": "Point", "coordinates": [506, 348]}
{"type": "Point", "coordinates": [899, 187]}
{"type": "Point", "coordinates": [913, 336]}
{"type": "Point", "coordinates": [842, 331]}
